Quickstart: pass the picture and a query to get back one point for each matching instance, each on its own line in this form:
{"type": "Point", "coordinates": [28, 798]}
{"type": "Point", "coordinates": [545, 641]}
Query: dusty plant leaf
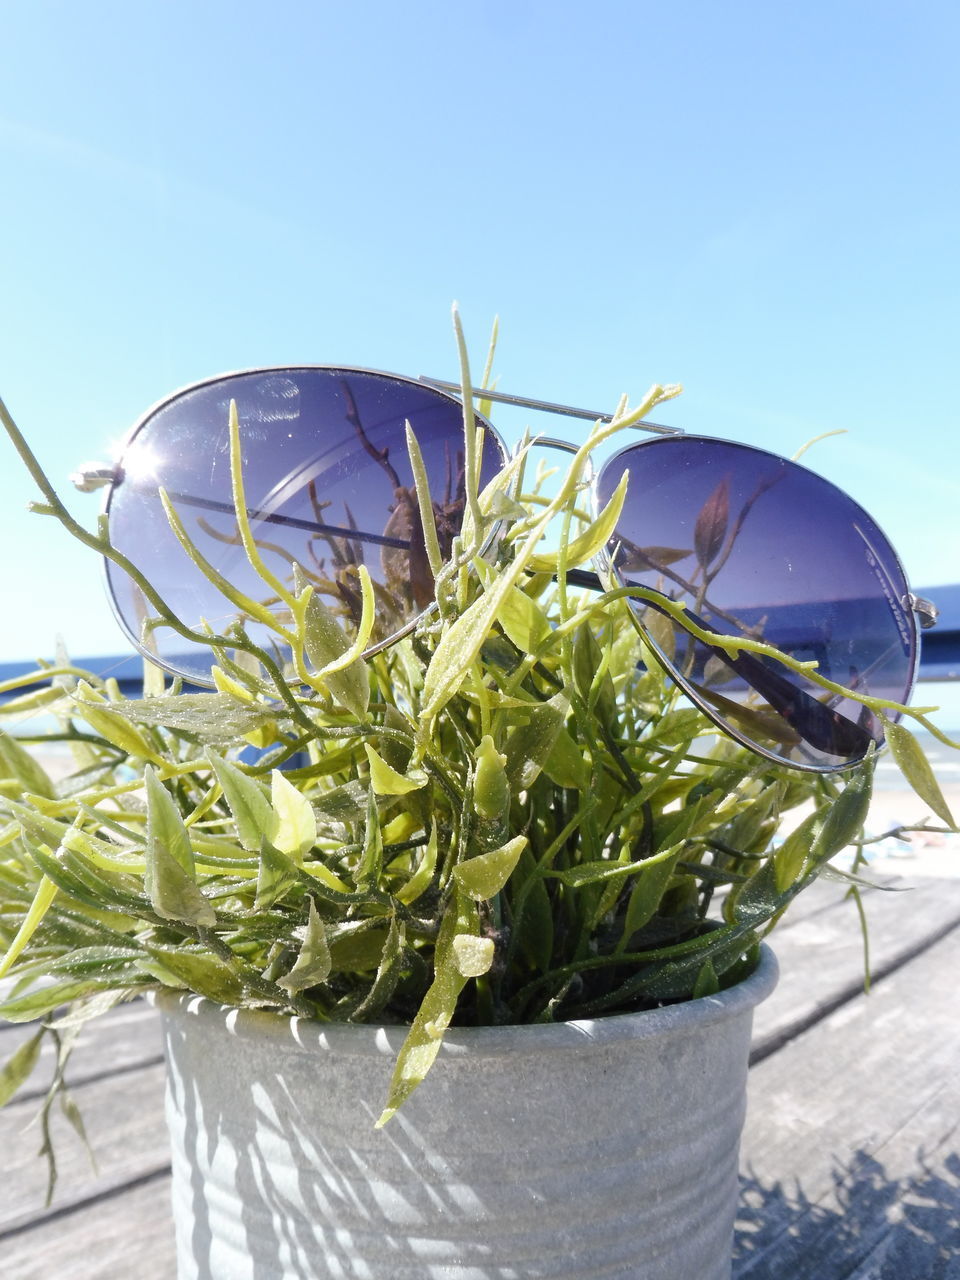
{"type": "Point", "coordinates": [915, 767]}
{"type": "Point", "coordinates": [529, 745]}
{"type": "Point", "coordinates": [252, 811]}
{"type": "Point", "coordinates": [313, 962]}
{"type": "Point", "coordinates": [17, 762]}
{"type": "Point", "coordinates": [386, 781]}
{"type": "Point", "coordinates": [276, 874]}
{"type": "Point", "coordinates": [485, 875]}
{"type": "Point", "coordinates": [295, 829]}
{"type": "Point", "coordinates": [473, 956]}
{"type": "Point", "coordinates": [18, 1067]}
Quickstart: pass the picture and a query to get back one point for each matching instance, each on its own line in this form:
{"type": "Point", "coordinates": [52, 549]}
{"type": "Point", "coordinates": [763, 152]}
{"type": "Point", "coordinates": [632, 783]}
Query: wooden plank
{"type": "Point", "coordinates": [849, 1153]}
{"type": "Point", "coordinates": [123, 1117]}
{"type": "Point", "coordinates": [821, 954]}
{"type": "Point", "coordinates": [124, 1039]}
{"type": "Point", "coordinates": [119, 1237]}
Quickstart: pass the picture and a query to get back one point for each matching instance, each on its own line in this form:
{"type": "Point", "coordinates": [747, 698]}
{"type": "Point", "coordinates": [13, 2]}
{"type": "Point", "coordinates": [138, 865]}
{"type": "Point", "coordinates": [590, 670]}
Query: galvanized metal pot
{"type": "Point", "coordinates": [593, 1149]}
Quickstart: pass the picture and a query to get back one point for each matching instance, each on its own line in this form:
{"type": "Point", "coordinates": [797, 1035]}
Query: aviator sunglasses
{"type": "Point", "coordinates": [751, 544]}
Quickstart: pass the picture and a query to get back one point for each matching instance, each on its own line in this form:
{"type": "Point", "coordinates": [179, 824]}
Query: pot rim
{"type": "Point", "coordinates": [687, 1017]}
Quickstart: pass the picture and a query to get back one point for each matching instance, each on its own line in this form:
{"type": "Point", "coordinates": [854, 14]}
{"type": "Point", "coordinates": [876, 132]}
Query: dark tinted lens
{"type": "Point", "coordinates": [328, 486]}
{"type": "Point", "coordinates": [758, 546]}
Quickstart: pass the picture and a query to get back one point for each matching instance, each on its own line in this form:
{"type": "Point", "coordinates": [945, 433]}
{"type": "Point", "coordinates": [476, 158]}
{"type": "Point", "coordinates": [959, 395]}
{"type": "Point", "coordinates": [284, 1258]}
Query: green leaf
{"type": "Point", "coordinates": [38, 1003]}
{"type": "Point", "coordinates": [199, 972]}
{"type": "Point", "coordinates": [211, 717]}
{"type": "Point", "coordinates": [422, 878]}
{"type": "Point", "coordinates": [485, 875]}
{"type": "Point", "coordinates": [491, 790]}
{"type": "Point", "coordinates": [524, 622]}
{"type": "Point", "coordinates": [368, 870]}
{"type": "Point", "coordinates": [19, 1066]}
{"type": "Point", "coordinates": [109, 721]}
{"type": "Point", "coordinates": [529, 745]}
{"type": "Point", "coordinates": [313, 964]}
{"type": "Point", "coordinates": [473, 956]}
{"type": "Point", "coordinates": [594, 538]}
{"type": "Point", "coordinates": [357, 946]}
{"type": "Point", "coordinates": [276, 874]}
{"type": "Point", "coordinates": [437, 1008]}
{"type": "Point", "coordinates": [707, 983]}
{"type": "Point", "coordinates": [565, 764]}
{"type": "Point", "coordinates": [248, 802]}
{"type": "Point", "coordinates": [169, 878]}
{"type": "Point", "coordinates": [845, 818]}
{"type": "Point", "coordinates": [916, 768]}
{"type": "Point", "coordinates": [790, 858]}
{"type": "Point", "coordinates": [532, 912]}
{"type": "Point", "coordinates": [386, 781]}
{"type": "Point", "coordinates": [651, 884]}
{"type": "Point", "coordinates": [45, 893]}
{"type": "Point", "coordinates": [295, 829]}
{"type": "Point", "coordinates": [389, 972]}
{"type": "Point", "coordinates": [325, 641]}
{"type": "Point", "coordinates": [16, 762]}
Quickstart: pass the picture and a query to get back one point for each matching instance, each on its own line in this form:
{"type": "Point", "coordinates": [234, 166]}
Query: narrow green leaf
{"type": "Point", "coordinates": [915, 767]}
{"type": "Point", "coordinates": [325, 642]}
{"type": "Point", "coordinates": [370, 865]}
{"type": "Point", "coordinates": [485, 875]}
{"type": "Point", "coordinates": [295, 831]}
{"type": "Point", "coordinates": [651, 884]}
{"type": "Point", "coordinates": [275, 875]}
{"type": "Point", "coordinates": [45, 893]}
{"type": "Point", "coordinates": [38, 1003]}
{"type": "Point", "coordinates": [707, 983]}
{"type": "Point", "coordinates": [789, 859]}
{"type": "Point", "coordinates": [199, 972]}
{"type": "Point", "coordinates": [109, 721]}
{"type": "Point", "coordinates": [169, 878]}
{"type": "Point", "coordinates": [17, 762]}
{"type": "Point", "coordinates": [491, 788]}
{"type": "Point", "coordinates": [437, 1008]}
{"type": "Point", "coordinates": [389, 973]}
{"type": "Point", "coordinates": [386, 781]}
{"type": "Point", "coordinates": [19, 1066]}
{"type": "Point", "coordinates": [524, 622]}
{"type": "Point", "coordinates": [529, 745]}
{"type": "Point", "coordinates": [313, 963]}
{"type": "Point", "coordinates": [422, 878]}
{"type": "Point", "coordinates": [594, 538]}
{"type": "Point", "coordinates": [565, 764]}
{"type": "Point", "coordinates": [248, 802]}
{"type": "Point", "coordinates": [846, 816]}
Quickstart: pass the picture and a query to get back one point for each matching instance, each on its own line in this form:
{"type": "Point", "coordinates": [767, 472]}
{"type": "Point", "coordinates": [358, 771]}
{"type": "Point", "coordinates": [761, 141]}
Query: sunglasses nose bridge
{"type": "Point", "coordinates": [552, 442]}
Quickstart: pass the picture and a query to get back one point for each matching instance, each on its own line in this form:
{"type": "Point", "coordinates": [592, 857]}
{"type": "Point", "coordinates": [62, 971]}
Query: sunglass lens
{"type": "Point", "coordinates": [329, 486]}
{"type": "Point", "coordinates": [757, 546]}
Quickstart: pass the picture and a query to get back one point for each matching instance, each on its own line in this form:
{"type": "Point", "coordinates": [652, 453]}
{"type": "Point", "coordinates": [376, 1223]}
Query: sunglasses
{"type": "Point", "coordinates": [751, 544]}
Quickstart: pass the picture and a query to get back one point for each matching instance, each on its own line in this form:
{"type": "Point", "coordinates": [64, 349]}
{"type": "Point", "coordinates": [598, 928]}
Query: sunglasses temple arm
{"type": "Point", "coordinates": [817, 724]}
{"type": "Point", "coordinates": [546, 406]}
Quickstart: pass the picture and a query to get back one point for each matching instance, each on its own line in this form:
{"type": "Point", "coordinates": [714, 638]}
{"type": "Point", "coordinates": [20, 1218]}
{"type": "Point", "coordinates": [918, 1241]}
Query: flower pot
{"type": "Point", "coordinates": [603, 1148]}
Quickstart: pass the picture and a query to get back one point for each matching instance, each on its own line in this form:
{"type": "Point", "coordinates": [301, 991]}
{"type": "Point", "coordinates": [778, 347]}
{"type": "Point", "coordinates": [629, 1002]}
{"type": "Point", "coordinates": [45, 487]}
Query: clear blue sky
{"type": "Point", "coordinates": [757, 200]}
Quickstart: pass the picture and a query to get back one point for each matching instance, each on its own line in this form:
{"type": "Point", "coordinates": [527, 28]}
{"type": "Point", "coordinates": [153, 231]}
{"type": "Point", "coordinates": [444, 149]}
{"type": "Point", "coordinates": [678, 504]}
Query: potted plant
{"type": "Point", "coordinates": [451, 902]}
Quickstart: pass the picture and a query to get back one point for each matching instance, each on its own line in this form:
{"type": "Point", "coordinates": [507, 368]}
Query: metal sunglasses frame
{"type": "Point", "coordinates": [91, 476]}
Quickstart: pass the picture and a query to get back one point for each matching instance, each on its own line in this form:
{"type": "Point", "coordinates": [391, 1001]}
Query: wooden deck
{"type": "Point", "coordinates": [851, 1153]}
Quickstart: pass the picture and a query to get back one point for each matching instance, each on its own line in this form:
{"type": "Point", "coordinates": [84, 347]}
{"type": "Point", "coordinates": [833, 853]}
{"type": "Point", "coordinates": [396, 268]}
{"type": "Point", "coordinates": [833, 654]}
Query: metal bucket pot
{"type": "Point", "coordinates": [603, 1148]}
